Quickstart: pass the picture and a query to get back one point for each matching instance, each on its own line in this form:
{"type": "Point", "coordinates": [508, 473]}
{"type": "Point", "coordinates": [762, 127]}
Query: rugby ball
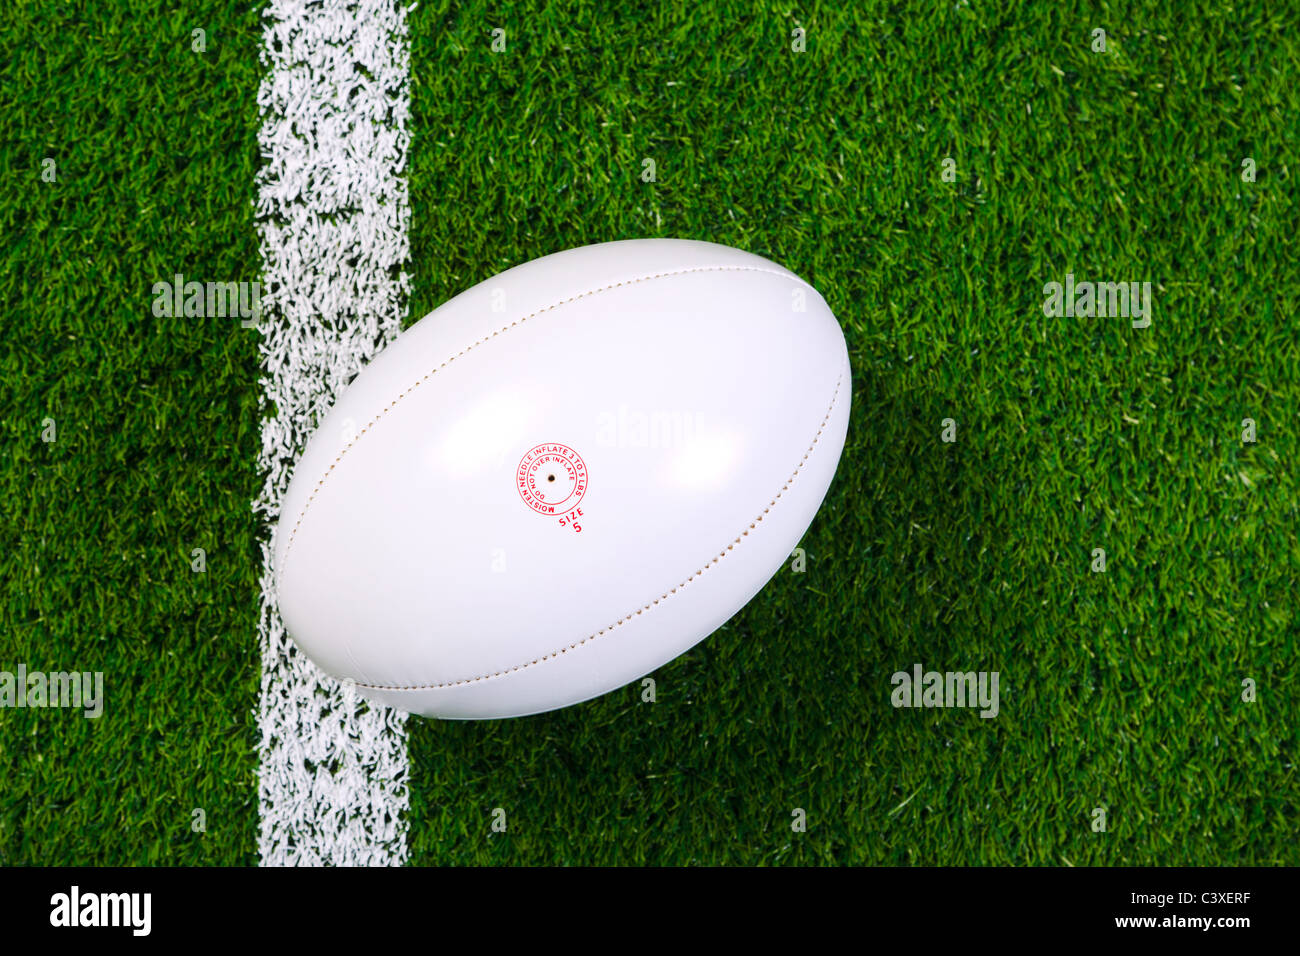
{"type": "Point", "coordinates": [563, 478]}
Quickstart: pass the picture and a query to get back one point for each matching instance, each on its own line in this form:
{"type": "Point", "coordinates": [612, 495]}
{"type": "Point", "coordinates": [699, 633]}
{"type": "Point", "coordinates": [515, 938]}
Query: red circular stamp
{"type": "Point", "coordinates": [551, 479]}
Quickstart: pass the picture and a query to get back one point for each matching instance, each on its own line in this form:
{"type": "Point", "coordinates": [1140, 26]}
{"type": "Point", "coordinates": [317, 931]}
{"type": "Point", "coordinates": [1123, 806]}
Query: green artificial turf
{"type": "Point", "coordinates": [156, 432]}
{"type": "Point", "coordinates": [1119, 690]}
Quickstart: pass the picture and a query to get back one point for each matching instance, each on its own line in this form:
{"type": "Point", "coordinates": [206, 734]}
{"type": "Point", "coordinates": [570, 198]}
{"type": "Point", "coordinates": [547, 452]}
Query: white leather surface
{"type": "Point", "coordinates": [710, 415]}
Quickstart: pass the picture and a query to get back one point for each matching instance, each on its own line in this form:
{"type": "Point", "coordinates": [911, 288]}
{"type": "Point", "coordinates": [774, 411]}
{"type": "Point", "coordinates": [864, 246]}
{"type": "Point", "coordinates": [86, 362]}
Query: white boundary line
{"type": "Point", "coordinates": [333, 214]}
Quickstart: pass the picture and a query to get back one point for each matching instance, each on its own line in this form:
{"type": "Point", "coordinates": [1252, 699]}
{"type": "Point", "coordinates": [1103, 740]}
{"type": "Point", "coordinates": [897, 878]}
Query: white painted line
{"type": "Point", "coordinates": [333, 215]}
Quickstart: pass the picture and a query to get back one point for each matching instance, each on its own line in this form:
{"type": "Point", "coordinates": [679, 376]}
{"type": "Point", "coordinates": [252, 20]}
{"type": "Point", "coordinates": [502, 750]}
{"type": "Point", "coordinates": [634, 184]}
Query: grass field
{"type": "Point", "coordinates": [1121, 690]}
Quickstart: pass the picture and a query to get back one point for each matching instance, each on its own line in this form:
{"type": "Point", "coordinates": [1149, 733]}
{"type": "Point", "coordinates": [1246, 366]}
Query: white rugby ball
{"type": "Point", "coordinates": [563, 478]}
